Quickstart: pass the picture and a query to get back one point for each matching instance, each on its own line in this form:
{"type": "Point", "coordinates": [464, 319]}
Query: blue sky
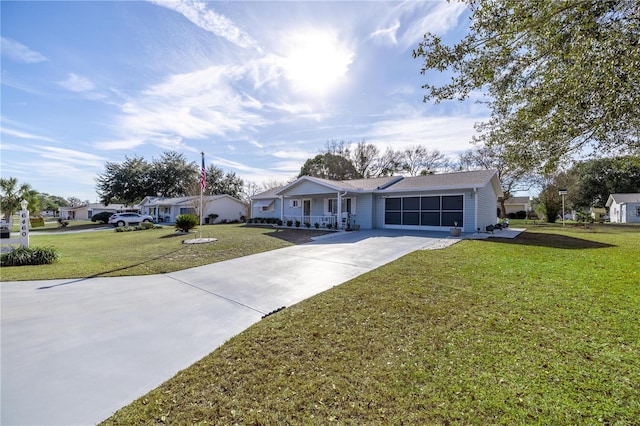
{"type": "Point", "coordinates": [258, 86]}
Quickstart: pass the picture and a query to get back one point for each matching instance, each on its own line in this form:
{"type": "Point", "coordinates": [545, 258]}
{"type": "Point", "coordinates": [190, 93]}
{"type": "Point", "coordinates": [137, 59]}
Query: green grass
{"type": "Point", "coordinates": [544, 329]}
{"type": "Point", "coordinates": [109, 253]}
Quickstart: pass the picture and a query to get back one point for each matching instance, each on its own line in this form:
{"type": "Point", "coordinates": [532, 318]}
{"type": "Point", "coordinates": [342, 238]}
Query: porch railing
{"type": "Point", "coordinates": [322, 221]}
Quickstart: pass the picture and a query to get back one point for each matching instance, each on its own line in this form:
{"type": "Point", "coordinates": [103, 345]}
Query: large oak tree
{"type": "Point", "coordinates": [561, 76]}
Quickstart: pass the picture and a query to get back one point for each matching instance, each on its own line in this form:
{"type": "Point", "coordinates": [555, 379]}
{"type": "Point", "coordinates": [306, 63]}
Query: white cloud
{"type": "Point", "coordinates": [386, 35]}
{"type": "Point", "coordinates": [439, 20]}
{"type": "Point", "coordinates": [296, 155]}
{"type": "Point", "coordinates": [197, 105]}
{"type": "Point", "coordinates": [75, 83]}
{"type": "Point", "coordinates": [235, 165]}
{"type": "Point", "coordinates": [198, 13]}
{"type": "Point", "coordinates": [70, 156]}
{"type": "Point", "coordinates": [19, 52]}
{"type": "Point", "coordinates": [450, 135]}
{"type": "Point", "coordinates": [256, 143]}
{"type": "Point", "coordinates": [116, 145]}
{"type": "Point", "coordinates": [24, 135]}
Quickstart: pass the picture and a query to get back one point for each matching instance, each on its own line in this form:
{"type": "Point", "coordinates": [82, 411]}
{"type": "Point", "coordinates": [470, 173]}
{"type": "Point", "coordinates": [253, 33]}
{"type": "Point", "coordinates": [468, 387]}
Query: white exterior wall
{"type": "Point", "coordinates": [227, 208]}
{"type": "Point", "coordinates": [487, 212]}
{"type": "Point", "coordinates": [364, 211]}
{"type": "Point", "coordinates": [624, 213]}
{"type": "Point", "coordinates": [275, 213]}
{"type": "Point", "coordinates": [633, 212]}
{"type": "Point", "coordinates": [306, 188]}
{"type": "Point", "coordinates": [614, 213]}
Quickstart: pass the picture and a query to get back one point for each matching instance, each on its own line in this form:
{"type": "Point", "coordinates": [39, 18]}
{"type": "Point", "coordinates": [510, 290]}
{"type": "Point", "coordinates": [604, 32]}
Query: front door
{"type": "Point", "coordinates": [306, 210]}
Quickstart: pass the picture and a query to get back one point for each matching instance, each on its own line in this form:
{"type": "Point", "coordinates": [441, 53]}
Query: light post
{"type": "Point", "coordinates": [562, 192]}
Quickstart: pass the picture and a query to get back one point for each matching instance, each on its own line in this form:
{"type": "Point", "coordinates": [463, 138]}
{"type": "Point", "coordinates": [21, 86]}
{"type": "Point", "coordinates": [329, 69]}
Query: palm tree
{"type": "Point", "coordinates": [10, 196]}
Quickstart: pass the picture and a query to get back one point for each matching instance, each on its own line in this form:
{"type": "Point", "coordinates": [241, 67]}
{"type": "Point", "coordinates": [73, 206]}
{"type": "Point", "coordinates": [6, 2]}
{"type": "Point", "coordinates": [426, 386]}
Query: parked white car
{"type": "Point", "coordinates": [122, 219]}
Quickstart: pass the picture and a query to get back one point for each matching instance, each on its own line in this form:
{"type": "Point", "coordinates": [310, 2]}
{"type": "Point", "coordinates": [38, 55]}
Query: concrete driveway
{"type": "Point", "coordinates": [75, 351]}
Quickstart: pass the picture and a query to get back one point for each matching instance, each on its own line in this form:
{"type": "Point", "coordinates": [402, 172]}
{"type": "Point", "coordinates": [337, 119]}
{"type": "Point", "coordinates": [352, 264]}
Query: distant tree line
{"type": "Point", "coordinates": [171, 175]}
{"type": "Point", "coordinates": [344, 161]}
{"type": "Point", "coordinates": [12, 193]}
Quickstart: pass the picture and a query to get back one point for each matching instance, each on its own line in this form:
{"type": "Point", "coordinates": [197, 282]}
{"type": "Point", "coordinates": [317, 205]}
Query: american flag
{"type": "Point", "coordinates": [203, 176]}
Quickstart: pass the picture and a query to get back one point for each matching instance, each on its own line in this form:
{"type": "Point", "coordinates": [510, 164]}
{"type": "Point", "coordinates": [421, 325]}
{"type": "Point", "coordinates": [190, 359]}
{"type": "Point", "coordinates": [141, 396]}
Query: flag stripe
{"type": "Point", "coordinates": [203, 176]}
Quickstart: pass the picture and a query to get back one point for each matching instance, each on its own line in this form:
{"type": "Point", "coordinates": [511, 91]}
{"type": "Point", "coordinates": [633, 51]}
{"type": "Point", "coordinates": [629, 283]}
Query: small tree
{"type": "Point", "coordinates": [186, 222]}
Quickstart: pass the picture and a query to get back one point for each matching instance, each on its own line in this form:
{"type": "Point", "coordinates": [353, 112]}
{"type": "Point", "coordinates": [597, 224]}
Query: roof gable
{"type": "Point", "coordinates": [623, 198]}
{"type": "Point", "coordinates": [357, 185]}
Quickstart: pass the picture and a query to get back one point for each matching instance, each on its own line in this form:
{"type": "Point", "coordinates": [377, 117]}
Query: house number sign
{"type": "Point", "coordinates": [24, 223]}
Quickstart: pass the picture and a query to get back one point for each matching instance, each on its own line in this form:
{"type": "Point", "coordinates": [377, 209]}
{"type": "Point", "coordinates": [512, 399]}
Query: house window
{"type": "Point", "coordinates": [348, 205]}
{"type": "Point", "coordinates": [440, 210]}
{"type": "Point", "coordinates": [295, 204]}
{"type": "Point", "coordinates": [332, 206]}
{"type": "Point", "coordinates": [187, 210]}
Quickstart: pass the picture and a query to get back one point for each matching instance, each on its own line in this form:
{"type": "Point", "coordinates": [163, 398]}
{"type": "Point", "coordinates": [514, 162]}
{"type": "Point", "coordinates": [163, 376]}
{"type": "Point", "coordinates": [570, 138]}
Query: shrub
{"type": "Point", "coordinates": [329, 225]}
{"type": "Point", "coordinates": [140, 227]}
{"type": "Point", "coordinates": [30, 256]}
{"type": "Point", "coordinates": [289, 222]}
{"type": "Point", "coordinates": [317, 225]}
{"type": "Point", "coordinates": [279, 222]}
{"type": "Point", "coordinates": [186, 222]}
{"type": "Point", "coordinates": [102, 217]}
{"type": "Point", "coordinates": [521, 214]}
{"type": "Point", "coordinates": [297, 224]}
{"type": "Point", "coordinates": [307, 224]}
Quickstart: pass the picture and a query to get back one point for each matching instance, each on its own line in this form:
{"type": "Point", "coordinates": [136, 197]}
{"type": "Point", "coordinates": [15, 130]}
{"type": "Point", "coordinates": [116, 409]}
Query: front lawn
{"type": "Point", "coordinates": [543, 329]}
{"type": "Point", "coordinates": [109, 253]}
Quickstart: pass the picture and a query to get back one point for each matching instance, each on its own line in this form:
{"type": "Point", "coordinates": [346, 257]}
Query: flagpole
{"type": "Point", "coordinates": [203, 183]}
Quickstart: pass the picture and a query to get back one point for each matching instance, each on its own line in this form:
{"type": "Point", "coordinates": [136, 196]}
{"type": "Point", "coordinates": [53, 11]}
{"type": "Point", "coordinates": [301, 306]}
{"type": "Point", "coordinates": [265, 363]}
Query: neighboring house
{"type": "Point", "coordinates": [431, 202]}
{"type": "Point", "coordinates": [517, 204]}
{"type": "Point", "coordinates": [624, 208]}
{"type": "Point", "coordinates": [164, 209]}
{"type": "Point", "coordinates": [598, 214]}
{"type": "Point", "coordinates": [86, 212]}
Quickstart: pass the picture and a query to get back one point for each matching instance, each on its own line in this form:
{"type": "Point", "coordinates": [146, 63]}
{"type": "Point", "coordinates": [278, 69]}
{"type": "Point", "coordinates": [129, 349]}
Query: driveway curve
{"type": "Point", "coordinates": [75, 351]}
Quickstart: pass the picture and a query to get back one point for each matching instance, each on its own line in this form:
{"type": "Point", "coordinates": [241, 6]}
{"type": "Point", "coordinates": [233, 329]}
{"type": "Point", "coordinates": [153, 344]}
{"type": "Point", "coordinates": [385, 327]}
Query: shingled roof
{"type": "Point", "coordinates": [444, 181]}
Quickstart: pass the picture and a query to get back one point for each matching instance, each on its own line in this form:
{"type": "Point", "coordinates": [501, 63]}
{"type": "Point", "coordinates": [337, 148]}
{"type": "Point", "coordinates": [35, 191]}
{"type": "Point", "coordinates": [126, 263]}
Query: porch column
{"type": "Point", "coordinates": [282, 208]}
{"type": "Point", "coordinates": [475, 214]}
{"type": "Point", "coordinates": [339, 211]}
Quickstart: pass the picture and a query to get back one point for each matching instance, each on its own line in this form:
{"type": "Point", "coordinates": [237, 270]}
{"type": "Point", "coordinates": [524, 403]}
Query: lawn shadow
{"type": "Point", "coordinates": [550, 240]}
{"type": "Point", "coordinates": [104, 273]}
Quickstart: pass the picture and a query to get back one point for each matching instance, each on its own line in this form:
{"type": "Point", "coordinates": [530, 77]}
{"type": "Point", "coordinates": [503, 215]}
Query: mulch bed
{"type": "Point", "coordinates": [296, 236]}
